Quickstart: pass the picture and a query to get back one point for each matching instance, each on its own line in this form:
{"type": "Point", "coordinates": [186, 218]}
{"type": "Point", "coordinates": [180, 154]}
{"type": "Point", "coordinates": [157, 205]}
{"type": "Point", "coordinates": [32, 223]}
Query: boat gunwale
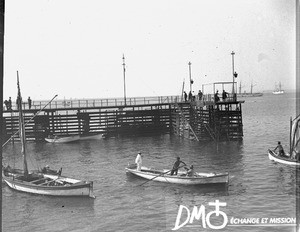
{"type": "Point", "coordinates": [145, 171]}
{"type": "Point", "coordinates": [23, 183]}
{"type": "Point", "coordinates": [282, 160]}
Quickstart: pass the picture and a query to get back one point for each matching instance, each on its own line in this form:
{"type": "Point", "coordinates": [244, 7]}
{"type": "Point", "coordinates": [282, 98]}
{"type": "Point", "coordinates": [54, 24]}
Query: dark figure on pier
{"type": "Point", "coordinates": [217, 99]}
{"type": "Point", "coordinates": [190, 96]}
{"type": "Point", "coordinates": [193, 96]}
{"type": "Point", "coordinates": [224, 95]}
{"type": "Point", "coordinates": [18, 103]}
{"type": "Point", "coordinates": [185, 96]}
{"type": "Point", "coordinates": [176, 166]}
{"type": "Point", "coordinates": [9, 103]}
{"type": "Point", "coordinates": [200, 94]}
{"type": "Point", "coordinates": [280, 149]}
{"type": "Point", "coordinates": [6, 103]}
{"type": "Point", "coordinates": [29, 103]}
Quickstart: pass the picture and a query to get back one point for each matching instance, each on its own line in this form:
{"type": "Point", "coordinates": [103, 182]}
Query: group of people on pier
{"type": "Point", "coordinates": [8, 104]}
{"type": "Point", "coordinates": [224, 96]}
{"type": "Point", "coordinates": [192, 97]}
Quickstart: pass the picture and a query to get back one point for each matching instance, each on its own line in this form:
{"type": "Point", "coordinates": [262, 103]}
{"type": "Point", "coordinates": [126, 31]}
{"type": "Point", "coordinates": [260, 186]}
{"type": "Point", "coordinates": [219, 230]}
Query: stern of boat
{"type": "Point", "coordinates": [91, 193]}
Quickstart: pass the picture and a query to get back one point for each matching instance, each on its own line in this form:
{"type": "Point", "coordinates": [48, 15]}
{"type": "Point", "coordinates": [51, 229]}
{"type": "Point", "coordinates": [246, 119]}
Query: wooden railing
{"type": "Point", "coordinates": [90, 103]}
{"type": "Point", "coordinates": [114, 102]}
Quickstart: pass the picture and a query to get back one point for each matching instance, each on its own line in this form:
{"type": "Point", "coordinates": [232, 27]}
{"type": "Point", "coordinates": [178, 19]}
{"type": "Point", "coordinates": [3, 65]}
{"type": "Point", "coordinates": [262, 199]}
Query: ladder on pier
{"type": "Point", "coordinates": [184, 122]}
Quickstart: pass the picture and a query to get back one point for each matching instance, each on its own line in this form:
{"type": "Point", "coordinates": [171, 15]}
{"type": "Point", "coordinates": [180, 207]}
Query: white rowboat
{"type": "Point", "coordinates": [74, 138]}
{"type": "Point", "coordinates": [284, 160]}
{"type": "Point", "coordinates": [180, 178]}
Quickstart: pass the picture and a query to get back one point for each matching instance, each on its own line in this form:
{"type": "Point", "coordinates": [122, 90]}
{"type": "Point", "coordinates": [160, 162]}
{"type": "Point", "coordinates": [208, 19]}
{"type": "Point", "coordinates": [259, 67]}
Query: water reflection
{"type": "Point", "coordinates": [286, 179]}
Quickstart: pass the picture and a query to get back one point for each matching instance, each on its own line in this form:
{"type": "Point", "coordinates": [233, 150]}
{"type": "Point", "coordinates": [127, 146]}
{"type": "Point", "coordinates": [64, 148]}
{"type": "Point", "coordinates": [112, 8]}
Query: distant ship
{"type": "Point", "coordinates": [251, 94]}
{"type": "Point", "coordinates": [278, 89]}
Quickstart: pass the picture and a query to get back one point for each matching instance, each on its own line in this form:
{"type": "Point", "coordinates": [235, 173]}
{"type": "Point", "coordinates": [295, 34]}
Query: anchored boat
{"type": "Point", "coordinates": [75, 138]}
{"type": "Point", "coordinates": [38, 182]}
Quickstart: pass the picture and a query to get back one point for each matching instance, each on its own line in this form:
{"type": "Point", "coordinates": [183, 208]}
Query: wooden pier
{"type": "Point", "coordinates": [198, 120]}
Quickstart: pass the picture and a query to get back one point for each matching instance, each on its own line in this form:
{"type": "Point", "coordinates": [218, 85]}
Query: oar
{"type": "Point", "coordinates": [162, 174]}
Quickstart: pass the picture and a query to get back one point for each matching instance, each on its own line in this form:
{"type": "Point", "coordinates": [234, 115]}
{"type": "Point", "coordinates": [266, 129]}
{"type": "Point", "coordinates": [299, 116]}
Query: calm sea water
{"type": "Point", "coordinates": [258, 187]}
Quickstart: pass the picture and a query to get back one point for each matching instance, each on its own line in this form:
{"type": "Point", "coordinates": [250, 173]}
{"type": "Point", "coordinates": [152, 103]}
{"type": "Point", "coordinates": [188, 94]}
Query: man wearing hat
{"type": "Point", "coordinates": [138, 161]}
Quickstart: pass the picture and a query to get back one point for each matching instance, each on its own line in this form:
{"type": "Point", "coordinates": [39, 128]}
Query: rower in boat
{"type": "Point", "coordinates": [176, 166]}
{"type": "Point", "coordinates": [190, 171]}
{"type": "Point", "coordinates": [281, 150]}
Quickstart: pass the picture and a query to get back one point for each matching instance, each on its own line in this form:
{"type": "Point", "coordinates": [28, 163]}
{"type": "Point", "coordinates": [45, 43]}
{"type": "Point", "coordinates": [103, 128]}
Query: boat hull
{"type": "Point", "coordinates": [63, 139]}
{"type": "Point", "coordinates": [278, 92]}
{"type": "Point", "coordinates": [73, 138]}
{"type": "Point", "coordinates": [75, 188]}
{"type": "Point", "coordinates": [180, 178]}
{"type": "Point", "coordinates": [250, 94]}
{"type": "Point", "coordinates": [273, 156]}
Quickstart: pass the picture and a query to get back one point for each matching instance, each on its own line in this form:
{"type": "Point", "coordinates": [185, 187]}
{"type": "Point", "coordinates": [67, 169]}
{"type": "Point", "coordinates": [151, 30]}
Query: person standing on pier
{"type": "Point", "coordinates": [217, 96]}
{"type": "Point", "coordinates": [190, 96]}
{"type": "Point", "coordinates": [185, 96]}
{"type": "Point", "coordinates": [224, 95]}
{"type": "Point", "coordinates": [6, 104]}
{"type": "Point", "coordinates": [138, 161]}
{"type": "Point", "coordinates": [9, 103]}
{"type": "Point", "coordinates": [200, 94]}
{"type": "Point", "coordinates": [29, 103]}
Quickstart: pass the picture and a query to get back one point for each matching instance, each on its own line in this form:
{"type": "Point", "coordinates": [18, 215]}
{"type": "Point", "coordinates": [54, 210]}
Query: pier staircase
{"type": "Point", "coordinates": [217, 122]}
{"type": "Point", "coordinates": [183, 125]}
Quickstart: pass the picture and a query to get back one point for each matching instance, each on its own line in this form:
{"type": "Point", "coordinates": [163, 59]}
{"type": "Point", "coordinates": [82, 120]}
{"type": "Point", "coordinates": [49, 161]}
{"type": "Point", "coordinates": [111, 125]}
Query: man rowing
{"type": "Point", "coordinates": [176, 166]}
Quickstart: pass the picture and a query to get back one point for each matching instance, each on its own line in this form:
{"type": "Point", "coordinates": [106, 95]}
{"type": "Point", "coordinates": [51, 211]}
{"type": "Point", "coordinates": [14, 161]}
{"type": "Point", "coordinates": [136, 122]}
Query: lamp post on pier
{"type": "Point", "coordinates": [234, 75]}
{"type": "Point", "coordinates": [124, 79]}
{"type": "Point", "coordinates": [190, 72]}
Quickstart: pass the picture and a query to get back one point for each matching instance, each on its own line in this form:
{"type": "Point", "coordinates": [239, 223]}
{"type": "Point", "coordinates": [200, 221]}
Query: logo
{"type": "Point", "coordinates": [213, 217]}
{"type": "Point", "coordinates": [200, 214]}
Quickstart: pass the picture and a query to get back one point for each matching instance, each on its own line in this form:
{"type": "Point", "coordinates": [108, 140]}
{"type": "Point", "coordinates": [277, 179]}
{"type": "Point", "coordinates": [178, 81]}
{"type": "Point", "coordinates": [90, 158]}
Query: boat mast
{"type": "Point", "coordinates": [124, 79]}
{"type": "Point", "coordinates": [279, 86]}
{"type": "Point", "coordinates": [291, 137]}
{"type": "Point", "coordinates": [22, 128]}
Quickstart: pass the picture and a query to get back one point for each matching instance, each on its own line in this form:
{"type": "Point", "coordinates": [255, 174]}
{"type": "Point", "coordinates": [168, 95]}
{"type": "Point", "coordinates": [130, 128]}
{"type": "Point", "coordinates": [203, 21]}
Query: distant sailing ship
{"type": "Point", "coordinates": [251, 94]}
{"type": "Point", "coordinates": [278, 89]}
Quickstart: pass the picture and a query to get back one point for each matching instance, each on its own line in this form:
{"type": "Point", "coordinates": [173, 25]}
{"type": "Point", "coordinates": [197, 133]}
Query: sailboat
{"type": "Point", "coordinates": [278, 89]}
{"type": "Point", "coordinates": [249, 94]}
{"type": "Point", "coordinates": [293, 156]}
{"type": "Point", "coordinates": [41, 182]}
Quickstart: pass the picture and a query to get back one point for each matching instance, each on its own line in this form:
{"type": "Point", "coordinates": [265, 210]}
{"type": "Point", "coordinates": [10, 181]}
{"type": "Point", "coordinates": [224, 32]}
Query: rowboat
{"type": "Point", "coordinates": [74, 138]}
{"type": "Point", "coordinates": [47, 184]}
{"type": "Point", "coordinates": [280, 159]}
{"type": "Point", "coordinates": [41, 182]}
{"type": "Point", "coordinates": [67, 139]}
{"type": "Point", "coordinates": [180, 178]}
{"type": "Point", "coordinates": [291, 157]}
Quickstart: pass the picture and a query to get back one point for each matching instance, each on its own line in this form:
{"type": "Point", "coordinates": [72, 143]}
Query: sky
{"type": "Point", "coordinates": [74, 48]}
